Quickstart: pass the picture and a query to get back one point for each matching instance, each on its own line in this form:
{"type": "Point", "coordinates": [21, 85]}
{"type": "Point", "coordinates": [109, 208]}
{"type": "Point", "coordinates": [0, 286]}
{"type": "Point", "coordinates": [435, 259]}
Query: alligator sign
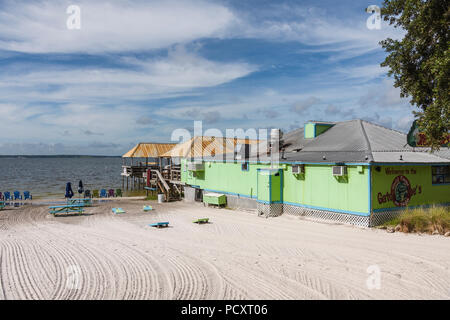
{"type": "Point", "coordinates": [400, 193]}
{"type": "Point", "coordinates": [416, 138]}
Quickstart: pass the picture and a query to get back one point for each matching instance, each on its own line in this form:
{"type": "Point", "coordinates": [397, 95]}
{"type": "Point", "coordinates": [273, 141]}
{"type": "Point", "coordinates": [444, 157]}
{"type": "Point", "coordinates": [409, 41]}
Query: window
{"type": "Point", "coordinates": [245, 166]}
{"type": "Point", "coordinates": [440, 174]}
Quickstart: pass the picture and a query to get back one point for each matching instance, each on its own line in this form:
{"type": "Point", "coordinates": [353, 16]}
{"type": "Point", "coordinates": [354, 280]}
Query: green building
{"type": "Point", "coordinates": [353, 172]}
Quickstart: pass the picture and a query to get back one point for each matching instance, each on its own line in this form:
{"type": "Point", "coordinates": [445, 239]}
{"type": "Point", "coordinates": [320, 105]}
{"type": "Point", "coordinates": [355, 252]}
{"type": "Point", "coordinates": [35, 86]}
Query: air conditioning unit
{"type": "Point", "coordinates": [196, 166]}
{"type": "Point", "coordinates": [339, 171]}
{"type": "Point", "coordinates": [298, 168]}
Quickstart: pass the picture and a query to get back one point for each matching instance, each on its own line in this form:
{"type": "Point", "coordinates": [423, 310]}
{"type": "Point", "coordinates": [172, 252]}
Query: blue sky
{"type": "Point", "coordinates": [137, 70]}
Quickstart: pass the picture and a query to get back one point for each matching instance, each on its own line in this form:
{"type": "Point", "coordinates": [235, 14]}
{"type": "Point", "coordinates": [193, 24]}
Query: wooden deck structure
{"type": "Point", "coordinates": [147, 159]}
{"type": "Point", "coordinates": [156, 166]}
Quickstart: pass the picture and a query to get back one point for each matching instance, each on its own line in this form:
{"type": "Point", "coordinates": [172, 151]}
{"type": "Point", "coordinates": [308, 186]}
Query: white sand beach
{"type": "Point", "coordinates": [237, 256]}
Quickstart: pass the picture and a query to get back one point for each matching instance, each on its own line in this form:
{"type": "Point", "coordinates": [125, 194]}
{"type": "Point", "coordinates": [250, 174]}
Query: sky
{"type": "Point", "coordinates": [135, 71]}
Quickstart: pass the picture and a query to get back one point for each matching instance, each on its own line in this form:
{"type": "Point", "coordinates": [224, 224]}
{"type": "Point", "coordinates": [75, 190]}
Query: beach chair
{"type": "Point", "coordinates": [147, 208]}
{"type": "Point", "coordinates": [95, 194]}
{"type": "Point", "coordinates": [111, 193]}
{"type": "Point", "coordinates": [103, 193]}
{"type": "Point", "coordinates": [76, 208]}
{"type": "Point", "coordinates": [27, 195]}
{"type": "Point", "coordinates": [7, 196]}
{"type": "Point", "coordinates": [17, 195]}
{"type": "Point", "coordinates": [87, 194]}
{"type": "Point", "coordinates": [1, 196]}
{"type": "Point", "coordinates": [118, 192]}
{"type": "Point", "coordinates": [202, 221]}
{"type": "Point", "coordinates": [118, 210]}
{"type": "Point", "coordinates": [159, 225]}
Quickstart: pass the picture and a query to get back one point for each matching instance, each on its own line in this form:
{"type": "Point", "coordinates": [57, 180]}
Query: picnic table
{"type": "Point", "coordinates": [69, 208]}
{"type": "Point", "coordinates": [159, 224]}
{"type": "Point", "coordinates": [87, 202]}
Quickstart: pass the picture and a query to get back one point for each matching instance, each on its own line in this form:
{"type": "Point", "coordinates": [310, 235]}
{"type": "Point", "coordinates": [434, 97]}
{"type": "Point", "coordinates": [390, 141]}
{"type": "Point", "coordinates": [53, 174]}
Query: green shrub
{"type": "Point", "coordinates": [423, 220]}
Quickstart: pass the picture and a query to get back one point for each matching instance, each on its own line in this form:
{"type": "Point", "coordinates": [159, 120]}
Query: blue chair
{"type": "Point", "coordinates": [27, 195]}
{"type": "Point", "coordinates": [7, 196]}
{"type": "Point", "coordinates": [17, 195]}
{"type": "Point", "coordinates": [103, 193]}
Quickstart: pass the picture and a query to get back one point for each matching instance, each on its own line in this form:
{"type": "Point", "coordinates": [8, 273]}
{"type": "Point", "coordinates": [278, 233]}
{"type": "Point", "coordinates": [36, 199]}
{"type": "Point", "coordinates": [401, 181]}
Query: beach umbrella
{"type": "Point", "coordinates": [69, 192]}
{"type": "Point", "coordinates": [80, 187]}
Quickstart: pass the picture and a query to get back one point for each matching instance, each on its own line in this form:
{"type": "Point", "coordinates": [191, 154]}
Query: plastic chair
{"type": "Point", "coordinates": [118, 192]}
{"type": "Point", "coordinates": [111, 193]}
{"type": "Point", "coordinates": [27, 195]}
{"type": "Point", "coordinates": [17, 195]}
{"type": "Point", "coordinates": [7, 196]}
{"type": "Point", "coordinates": [103, 193]}
{"type": "Point", "coordinates": [95, 194]}
{"type": "Point", "coordinates": [87, 194]}
{"type": "Point", "coordinates": [1, 196]}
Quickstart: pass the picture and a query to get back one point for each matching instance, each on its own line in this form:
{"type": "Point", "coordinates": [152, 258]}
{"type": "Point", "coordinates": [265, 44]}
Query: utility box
{"type": "Point", "coordinates": [270, 192]}
{"type": "Point", "coordinates": [214, 198]}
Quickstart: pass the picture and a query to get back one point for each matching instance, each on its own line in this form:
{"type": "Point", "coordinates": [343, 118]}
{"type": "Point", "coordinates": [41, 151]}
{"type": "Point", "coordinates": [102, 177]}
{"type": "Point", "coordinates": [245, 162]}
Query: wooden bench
{"type": "Point", "coordinates": [70, 208]}
{"type": "Point", "coordinates": [159, 225]}
{"type": "Point", "coordinates": [202, 220]}
{"type": "Point", "coordinates": [87, 202]}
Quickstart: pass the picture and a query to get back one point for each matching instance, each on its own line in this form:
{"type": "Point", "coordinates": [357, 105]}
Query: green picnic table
{"type": "Point", "coordinates": [70, 208]}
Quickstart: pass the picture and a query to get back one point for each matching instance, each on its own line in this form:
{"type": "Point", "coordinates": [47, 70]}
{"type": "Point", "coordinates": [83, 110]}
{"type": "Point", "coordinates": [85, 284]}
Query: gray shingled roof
{"type": "Point", "coordinates": [359, 141]}
{"type": "Point", "coordinates": [353, 141]}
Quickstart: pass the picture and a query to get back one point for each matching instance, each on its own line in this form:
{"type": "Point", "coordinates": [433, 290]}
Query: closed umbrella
{"type": "Point", "coordinates": [69, 192]}
{"type": "Point", "coordinates": [80, 187]}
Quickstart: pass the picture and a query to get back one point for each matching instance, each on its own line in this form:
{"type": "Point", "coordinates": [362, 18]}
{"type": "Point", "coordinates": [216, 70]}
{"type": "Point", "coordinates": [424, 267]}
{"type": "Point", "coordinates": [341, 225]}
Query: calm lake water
{"type": "Point", "coordinates": [47, 177]}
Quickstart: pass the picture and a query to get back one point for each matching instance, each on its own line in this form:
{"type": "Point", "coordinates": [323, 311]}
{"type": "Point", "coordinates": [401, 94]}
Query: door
{"type": "Point", "coordinates": [269, 185]}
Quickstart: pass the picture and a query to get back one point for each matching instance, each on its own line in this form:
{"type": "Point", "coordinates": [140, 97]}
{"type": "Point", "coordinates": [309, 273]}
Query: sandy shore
{"type": "Point", "coordinates": [237, 256]}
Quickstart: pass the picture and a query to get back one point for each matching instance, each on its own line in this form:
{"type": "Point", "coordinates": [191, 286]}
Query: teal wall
{"type": "Point", "coordinates": [317, 188]}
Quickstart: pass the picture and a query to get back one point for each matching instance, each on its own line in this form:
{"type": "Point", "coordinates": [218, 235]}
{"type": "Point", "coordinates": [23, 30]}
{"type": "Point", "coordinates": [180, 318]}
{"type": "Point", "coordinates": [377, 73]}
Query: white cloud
{"type": "Point", "coordinates": [321, 28]}
{"type": "Point", "coordinates": [181, 71]}
{"type": "Point", "coordinates": [108, 26]}
{"type": "Point", "coordinates": [365, 72]}
{"type": "Point", "coordinates": [404, 123]}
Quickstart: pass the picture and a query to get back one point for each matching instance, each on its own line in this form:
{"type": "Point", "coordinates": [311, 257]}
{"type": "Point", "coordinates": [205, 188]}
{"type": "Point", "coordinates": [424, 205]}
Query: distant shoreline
{"type": "Point", "coordinates": [55, 156]}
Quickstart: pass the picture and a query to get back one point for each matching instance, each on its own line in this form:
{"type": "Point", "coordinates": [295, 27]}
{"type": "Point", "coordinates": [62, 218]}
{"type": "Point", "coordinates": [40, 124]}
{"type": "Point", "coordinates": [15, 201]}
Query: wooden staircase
{"type": "Point", "coordinates": [168, 182]}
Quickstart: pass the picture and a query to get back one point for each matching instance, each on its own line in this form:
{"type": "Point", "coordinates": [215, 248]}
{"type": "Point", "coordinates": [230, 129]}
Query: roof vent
{"type": "Point", "coordinates": [401, 158]}
{"type": "Point", "coordinates": [314, 128]}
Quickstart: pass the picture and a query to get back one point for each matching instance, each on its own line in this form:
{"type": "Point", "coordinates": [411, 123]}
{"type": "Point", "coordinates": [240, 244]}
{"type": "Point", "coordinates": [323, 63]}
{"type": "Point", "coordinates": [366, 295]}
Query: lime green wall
{"type": "Point", "coordinates": [309, 130]}
{"type": "Point", "coordinates": [316, 188]}
{"type": "Point", "coordinates": [423, 192]}
{"type": "Point", "coordinates": [225, 177]}
{"type": "Point", "coordinates": [319, 188]}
